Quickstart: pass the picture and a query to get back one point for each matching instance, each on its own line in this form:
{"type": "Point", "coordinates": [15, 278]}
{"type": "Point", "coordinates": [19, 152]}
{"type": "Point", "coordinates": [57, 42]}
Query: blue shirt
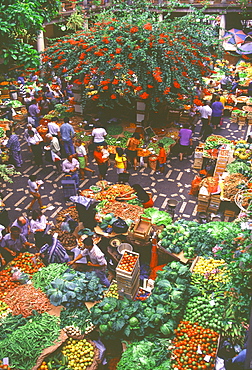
{"type": "Point", "coordinates": [13, 245]}
{"type": "Point", "coordinates": [13, 143]}
{"type": "Point", "coordinates": [67, 132]}
{"type": "Point", "coordinates": [217, 109]}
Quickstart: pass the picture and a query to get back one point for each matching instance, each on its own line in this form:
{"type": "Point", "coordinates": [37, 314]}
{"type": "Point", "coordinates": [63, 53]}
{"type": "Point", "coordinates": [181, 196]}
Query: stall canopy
{"type": "Point", "coordinates": [235, 36]}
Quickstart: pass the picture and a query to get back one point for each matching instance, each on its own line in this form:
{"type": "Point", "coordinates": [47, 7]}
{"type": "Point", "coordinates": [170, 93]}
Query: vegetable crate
{"type": "Point", "coordinates": [214, 203]}
{"type": "Point", "coordinates": [142, 228]}
{"type": "Point", "coordinates": [197, 164]}
{"type": "Point", "coordinates": [202, 206]}
{"type": "Point", "coordinates": [198, 152]}
{"type": "Point", "coordinates": [128, 274]}
{"type": "Point", "coordinates": [129, 289]}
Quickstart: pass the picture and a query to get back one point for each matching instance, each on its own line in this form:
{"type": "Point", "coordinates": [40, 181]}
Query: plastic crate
{"type": "Point", "coordinates": [69, 188]}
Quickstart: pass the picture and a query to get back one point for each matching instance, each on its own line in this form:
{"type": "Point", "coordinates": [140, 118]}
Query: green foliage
{"type": "Point", "coordinates": [75, 21]}
{"type": "Point", "coordinates": [129, 53]}
{"type": "Point", "coordinates": [20, 22]}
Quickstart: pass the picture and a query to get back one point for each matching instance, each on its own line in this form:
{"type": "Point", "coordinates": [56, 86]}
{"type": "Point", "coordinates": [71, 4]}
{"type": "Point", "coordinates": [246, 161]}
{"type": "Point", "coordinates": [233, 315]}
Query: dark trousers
{"type": "Point", "coordinates": [37, 153]}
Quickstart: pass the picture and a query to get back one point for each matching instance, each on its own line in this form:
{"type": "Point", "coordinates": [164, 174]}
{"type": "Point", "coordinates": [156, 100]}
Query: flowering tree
{"type": "Point", "coordinates": [129, 54]}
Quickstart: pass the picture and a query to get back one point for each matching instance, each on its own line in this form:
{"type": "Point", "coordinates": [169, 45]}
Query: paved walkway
{"type": "Point", "coordinates": [175, 183]}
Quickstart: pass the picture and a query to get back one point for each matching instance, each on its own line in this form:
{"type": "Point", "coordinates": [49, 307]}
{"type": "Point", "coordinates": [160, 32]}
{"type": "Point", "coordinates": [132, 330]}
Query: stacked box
{"type": "Point", "coordinates": [128, 282]}
{"type": "Point", "coordinates": [202, 206]}
{"type": "Point", "coordinates": [198, 152]}
{"type": "Point", "coordinates": [197, 164]}
{"type": "Point", "coordinates": [214, 203]}
{"type": "Point", "coordinates": [220, 165]}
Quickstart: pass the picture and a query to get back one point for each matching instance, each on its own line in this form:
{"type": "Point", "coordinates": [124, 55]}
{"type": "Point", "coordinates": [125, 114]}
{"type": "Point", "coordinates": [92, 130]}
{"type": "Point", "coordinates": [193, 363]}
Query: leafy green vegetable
{"type": "Point", "coordinates": [74, 288]}
{"type": "Point", "coordinates": [158, 217]}
{"type": "Point", "coordinates": [25, 344]}
{"type": "Point", "coordinates": [147, 354]}
{"type": "Point", "coordinates": [78, 317]}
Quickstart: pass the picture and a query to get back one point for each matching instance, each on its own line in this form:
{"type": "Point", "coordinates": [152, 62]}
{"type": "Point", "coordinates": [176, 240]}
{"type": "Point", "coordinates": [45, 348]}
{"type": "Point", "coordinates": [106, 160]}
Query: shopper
{"type": "Point", "coordinates": [45, 106]}
{"type": "Point", "coordinates": [23, 224]}
{"type": "Point", "coordinates": [97, 261]}
{"type": "Point", "coordinates": [206, 114]}
{"type": "Point", "coordinates": [15, 149]}
{"type": "Point", "coordinates": [138, 192]}
{"type": "Point", "coordinates": [13, 243]}
{"type": "Point", "coordinates": [39, 227]}
{"type": "Point", "coordinates": [102, 162]}
{"type": "Point", "coordinates": [53, 251]}
{"type": "Point", "coordinates": [217, 111]}
{"type": "Point", "coordinates": [34, 141]}
{"type": "Point", "coordinates": [99, 134]}
{"type": "Point", "coordinates": [185, 140]}
{"type": "Point", "coordinates": [120, 161]}
{"type": "Point", "coordinates": [161, 158]}
{"type": "Point", "coordinates": [53, 127]}
{"type": "Point", "coordinates": [34, 111]}
{"type": "Point", "coordinates": [81, 154]}
{"type": "Point", "coordinates": [131, 151]}
{"type": "Point", "coordinates": [70, 167]}
{"type": "Point", "coordinates": [67, 133]}
{"type": "Point", "coordinates": [34, 191]}
{"type": "Point", "coordinates": [54, 150]}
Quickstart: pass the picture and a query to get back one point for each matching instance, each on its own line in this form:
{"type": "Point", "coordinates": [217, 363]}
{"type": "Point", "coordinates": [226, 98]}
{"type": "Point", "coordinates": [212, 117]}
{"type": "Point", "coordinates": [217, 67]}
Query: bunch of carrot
{"type": "Point", "coordinates": [25, 298]}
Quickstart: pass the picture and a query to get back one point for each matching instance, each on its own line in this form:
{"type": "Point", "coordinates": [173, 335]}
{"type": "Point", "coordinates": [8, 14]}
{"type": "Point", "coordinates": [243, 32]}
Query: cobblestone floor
{"type": "Point", "coordinates": [175, 183]}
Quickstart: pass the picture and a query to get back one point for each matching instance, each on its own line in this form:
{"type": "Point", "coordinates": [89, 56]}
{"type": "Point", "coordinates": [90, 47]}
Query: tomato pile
{"type": "Point", "coordinates": [112, 192]}
{"type": "Point", "coordinates": [194, 347]}
{"type": "Point", "coordinates": [25, 262]}
{"type": "Point", "coordinates": [142, 295]}
{"type": "Point", "coordinates": [128, 262]}
{"type": "Point", "coordinates": [6, 283]}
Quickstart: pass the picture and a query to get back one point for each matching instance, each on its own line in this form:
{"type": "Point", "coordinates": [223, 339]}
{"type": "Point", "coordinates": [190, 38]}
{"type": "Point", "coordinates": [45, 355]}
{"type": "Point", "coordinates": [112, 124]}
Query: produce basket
{"type": "Point", "coordinates": [243, 198]}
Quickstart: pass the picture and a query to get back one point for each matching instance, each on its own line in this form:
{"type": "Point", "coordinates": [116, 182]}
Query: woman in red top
{"type": "Point", "coordinates": [161, 158]}
{"type": "Point", "coordinates": [138, 192]}
{"type": "Point", "coordinates": [102, 162]}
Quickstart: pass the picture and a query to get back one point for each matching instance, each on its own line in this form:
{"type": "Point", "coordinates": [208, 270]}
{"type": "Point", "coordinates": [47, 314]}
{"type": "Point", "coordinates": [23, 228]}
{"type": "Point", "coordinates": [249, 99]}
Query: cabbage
{"type": "Point", "coordinates": [108, 217]}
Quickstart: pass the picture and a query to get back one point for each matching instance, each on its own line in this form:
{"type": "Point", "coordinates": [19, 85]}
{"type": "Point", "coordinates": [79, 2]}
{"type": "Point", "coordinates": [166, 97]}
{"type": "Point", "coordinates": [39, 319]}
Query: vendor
{"type": "Point", "coordinates": [53, 251]}
{"type": "Point", "coordinates": [13, 243]}
{"type": "Point", "coordinates": [139, 193]}
{"type": "Point", "coordinates": [97, 261]}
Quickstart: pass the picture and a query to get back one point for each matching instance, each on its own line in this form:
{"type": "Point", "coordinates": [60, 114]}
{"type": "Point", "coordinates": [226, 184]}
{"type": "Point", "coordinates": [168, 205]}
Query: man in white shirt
{"type": "Point", "coordinates": [99, 134]}
{"type": "Point", "coordinates": [206, 114]}
{"type": "Point", "coordinates": [71, 166]}
{"type": "Point", "coordinates": [54, 147]}
{"type": "Point", "coordinates": [53, 127]}
{"type": "Point", "coordinates": [97, 261]}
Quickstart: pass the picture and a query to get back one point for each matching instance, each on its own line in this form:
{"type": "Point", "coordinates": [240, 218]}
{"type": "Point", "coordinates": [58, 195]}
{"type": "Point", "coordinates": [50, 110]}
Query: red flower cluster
{"type": "Point", "coordinates": [148, 26]}
{"type": "Point", "coordinates": [105, 40]}
{"type": "Point", "coordinates": [113, 96]}
{"type": "Point", "coordinates": [167, 90]}
{"type": "Point", "coordinates": [134, 29]}
{"type": "Point", "coordinates": [176, 84]}
{"type": "Point", "coordinates": [157, 74]}
{"type": "Point", "coordinates": [118, 50]}
{"type": "Point", "coordinates": [144, 95]}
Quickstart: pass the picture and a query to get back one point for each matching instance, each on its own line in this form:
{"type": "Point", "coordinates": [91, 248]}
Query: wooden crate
{"type": "Point", "coordinates": [198, 162]}
{"type": "Point", "coordinates": [126, 274]}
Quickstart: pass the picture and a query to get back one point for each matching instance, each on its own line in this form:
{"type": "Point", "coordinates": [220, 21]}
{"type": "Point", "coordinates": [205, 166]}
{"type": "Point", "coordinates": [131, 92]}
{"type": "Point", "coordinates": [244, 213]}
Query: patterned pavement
{"type": "Point", "coordinates": [175, 183]}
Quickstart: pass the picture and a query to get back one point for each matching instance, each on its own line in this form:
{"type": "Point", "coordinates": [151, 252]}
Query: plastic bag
{"type": "Point", "coordinates": [120, 226]}
{"type": "Point", "coordinates": [195, 185]}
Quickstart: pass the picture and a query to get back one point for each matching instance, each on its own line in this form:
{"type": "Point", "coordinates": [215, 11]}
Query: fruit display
{"type": "Point", "coordinates": [6, 282]}
{"type": "Point", "coordinates": [113, 192]}
{"type": "Point", "coordinates": [128, 262]}
{"type": "Point", "coordinates": [194, 347]}
{"type": "Point", "coordinates": [232, 184]}
{"type": "Point", "coordinates": [243, 150]}
{"type": "Point", "coordinates": [214, 141]}
{"type": "Point", "coordinates": [79, 353]}
{"type": "Point", "coordinates": [209, 267]}
{"type": "Point", "coordinates": [43, 366]}
{"type": "Point", "coordinates": [142, 295]}
{"type": "Point", "coordinates": [26, 262]}
{"type": "Point", "coordinates": [206, 312]}
{"type": "Point", "coordinates": [112, 291]}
